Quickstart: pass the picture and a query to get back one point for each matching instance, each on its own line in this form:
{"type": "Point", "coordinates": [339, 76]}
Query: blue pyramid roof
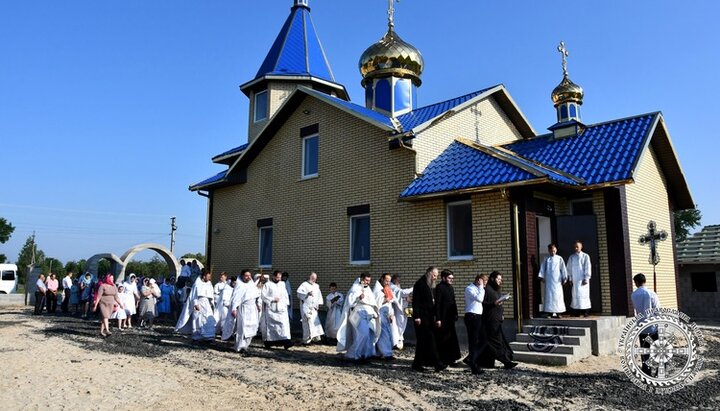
{"type": "Point", "coordinates": [297, 49]}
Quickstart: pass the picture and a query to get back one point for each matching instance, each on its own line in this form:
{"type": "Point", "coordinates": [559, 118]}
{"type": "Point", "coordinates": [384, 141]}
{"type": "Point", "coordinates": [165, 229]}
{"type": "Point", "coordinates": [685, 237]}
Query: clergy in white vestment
{"type": "Point", "coordinates": [360, 328]}
{"type": "Point", "coordinates": [388, 311]}
{"type": "Point", "coordinates": [554, 275]}
{"type": "Point", "coordinates": [244, 312]}
{"type": "Point", "coordinates": [579, 270]}
{"type": "Point", "coordinates": [222, 293]}
{"type": "Point", "coordinates": [311, 299]}
{"type": "Point", "coordinates": [197, 317]}
{"type": "Point", "coordinates": [403, 296]}
{"type": "Point", "coordinates": [275, 322]}
{"type": "Point", "coordinates": [334, 303]}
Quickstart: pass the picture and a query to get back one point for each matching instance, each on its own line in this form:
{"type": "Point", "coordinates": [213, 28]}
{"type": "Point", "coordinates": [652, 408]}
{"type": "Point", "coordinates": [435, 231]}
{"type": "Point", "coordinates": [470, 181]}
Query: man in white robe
{"type": "Point", "coordinates": [244, 312]}
{"type": "Point", "coordinates": [334, 303]}
{"type": "Point", "coordinates": [197, 317]}
{"type": "Point", "coordinates": [403, 296]}
{"type": "Point", "coordinates": [388, 311]}
{"type": "Point", "coordinates": [222, 293]}
{"type": "Point", "coordinates": [360, 329]}
{"type": "Point", "coordinates": [275, 323]}
{"type": "Point", "coordinates": [579, 270]}
{"type": "Point", "coordinates": [553, 274]}
{"type": "Point", "coordinates": [311, 299]}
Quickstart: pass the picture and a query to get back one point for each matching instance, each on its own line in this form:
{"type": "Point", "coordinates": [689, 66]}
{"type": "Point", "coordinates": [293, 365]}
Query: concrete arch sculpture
{"type": "Point", "coordinates": [116, 264]}
{"type": "Point", "coordinates": [172, 262]}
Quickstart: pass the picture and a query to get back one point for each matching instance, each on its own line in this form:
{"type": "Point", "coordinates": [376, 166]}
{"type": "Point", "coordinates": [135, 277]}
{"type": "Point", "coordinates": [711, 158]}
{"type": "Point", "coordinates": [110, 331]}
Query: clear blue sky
{"type": "Point", "coordinates": [109, 110]}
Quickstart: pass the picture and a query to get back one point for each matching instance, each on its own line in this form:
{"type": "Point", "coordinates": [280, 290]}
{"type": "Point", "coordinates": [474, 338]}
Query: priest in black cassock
{"type": "Point", "coordinates": [492, 318]}
{"type": "Point", "coordinates": [423, 306]}
{"type": "Point", "coordinates": [446, 316]}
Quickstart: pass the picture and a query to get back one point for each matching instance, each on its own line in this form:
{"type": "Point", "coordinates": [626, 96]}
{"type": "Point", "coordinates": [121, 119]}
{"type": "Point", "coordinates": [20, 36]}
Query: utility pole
{"type": "Point", "coordinates": [173, 228]}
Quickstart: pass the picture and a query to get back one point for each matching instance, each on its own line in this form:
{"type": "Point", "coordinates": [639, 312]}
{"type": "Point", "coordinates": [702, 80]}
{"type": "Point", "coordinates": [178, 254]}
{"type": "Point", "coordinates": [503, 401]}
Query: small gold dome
{"type": "Point", "coordinates": [392, 56]}
{"type": "Point", "coordinates": [567, 91]}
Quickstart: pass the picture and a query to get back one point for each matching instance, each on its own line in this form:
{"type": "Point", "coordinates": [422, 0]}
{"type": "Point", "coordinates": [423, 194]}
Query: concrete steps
{"type": "Point", "coordinates": [552, 344]}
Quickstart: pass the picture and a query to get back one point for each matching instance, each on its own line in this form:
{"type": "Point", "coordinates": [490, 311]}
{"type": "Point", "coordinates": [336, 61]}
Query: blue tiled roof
{"type": "Point", "coordinates": [214, 179]}
{"type": "Point", "coordinates": [463, 167]}
{"type": "Point", "coordinates": [603, 153]}
{"type": "Point", "coordinates": [421, 115]}
{"type": "Point", "coordinates": [355, 108]}
{"type": "Point", "coordinates": [232, 151]}
{"type": "Point", "coordinates": [297, 49]}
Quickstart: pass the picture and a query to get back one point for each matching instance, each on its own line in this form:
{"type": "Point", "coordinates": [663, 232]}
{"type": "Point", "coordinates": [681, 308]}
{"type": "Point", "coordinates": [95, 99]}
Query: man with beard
{"type": "Point", "coordinates": [424, 312]}
{"type": "Point", "coordinates": [223, 293]}
{"type": "Point", "coordinates": [360, 328]}
{"type": "Point", "coordinates": [197, 317]}
{"type": "Point", "coordinates": [275, 324]}
{"type": "Point", "coordinates": [446, 315]}
{"type": "Point", "coordinates": [244, 312]}
{"type": "Point", "coordinates": [497, 346]}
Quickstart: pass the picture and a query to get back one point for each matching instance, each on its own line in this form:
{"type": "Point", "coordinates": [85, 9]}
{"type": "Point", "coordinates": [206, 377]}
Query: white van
{"type": "Point", "coordinates": [8, 278]}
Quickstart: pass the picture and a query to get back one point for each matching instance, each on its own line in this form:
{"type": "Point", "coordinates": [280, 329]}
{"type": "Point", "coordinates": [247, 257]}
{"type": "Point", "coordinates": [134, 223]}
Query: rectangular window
{"type": "Point", "coordinates": [459, 226]}
{"type": "Point", "coordinates": [360, 239]}
{"type": "Point", "coordinates": [310, 156]}
{"type": "Point", "coordinates": [265, 252]}
{"type": "Point", "coordinates": [261, 106]}
{"type": "Point", "coordinates": [703, 282]}
{"type": "Point", "coordinates": [8, 275]}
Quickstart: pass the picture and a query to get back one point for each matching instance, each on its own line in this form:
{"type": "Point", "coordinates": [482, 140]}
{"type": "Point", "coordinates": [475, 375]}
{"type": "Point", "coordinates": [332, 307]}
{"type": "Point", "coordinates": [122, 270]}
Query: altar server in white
{"type": "Point", "coordinates": [311, 299]}
{"type": "Point", "coordinates": [553, 274]}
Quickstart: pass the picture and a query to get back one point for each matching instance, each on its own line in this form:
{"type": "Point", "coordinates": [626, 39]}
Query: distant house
{"type": "Point", "coordinates": [699, 261]}
{"type": "Point", "coordinates": [327, 185]}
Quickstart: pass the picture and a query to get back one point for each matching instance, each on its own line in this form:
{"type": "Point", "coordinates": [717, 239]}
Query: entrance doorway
{"type": "Point", "coordinates": [583, 228]}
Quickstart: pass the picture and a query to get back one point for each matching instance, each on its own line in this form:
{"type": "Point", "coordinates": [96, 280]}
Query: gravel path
{"type": "Point", "coordinates": [159, 368]}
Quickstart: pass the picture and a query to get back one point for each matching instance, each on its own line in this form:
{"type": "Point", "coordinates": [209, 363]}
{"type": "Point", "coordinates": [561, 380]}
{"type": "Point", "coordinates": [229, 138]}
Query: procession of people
{"type": "Point", "coordinates": [368, 322]}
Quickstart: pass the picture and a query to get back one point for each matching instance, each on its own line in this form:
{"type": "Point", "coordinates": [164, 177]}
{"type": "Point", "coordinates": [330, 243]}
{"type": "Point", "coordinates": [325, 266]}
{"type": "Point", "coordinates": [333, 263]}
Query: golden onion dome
{"type": "Point", "coordinates": [567, 91]}
{"type": "Point", "coordinates": [392, 56]}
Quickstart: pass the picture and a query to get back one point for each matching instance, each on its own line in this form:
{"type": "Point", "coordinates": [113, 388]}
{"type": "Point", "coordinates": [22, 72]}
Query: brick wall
{"type": "Point", "coordinates": [310, 222]}
{"type": "Point", "coordinates": [493, 128]}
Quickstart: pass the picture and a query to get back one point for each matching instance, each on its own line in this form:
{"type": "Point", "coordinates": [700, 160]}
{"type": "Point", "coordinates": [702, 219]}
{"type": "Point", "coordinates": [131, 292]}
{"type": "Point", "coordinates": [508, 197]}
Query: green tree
{"type": "Point", "coordinates": [6, 230]}
{"type": "Point", "coordinates": [685, 220]}
{"type": "Point", "coordinates": [72, 267]}
{"type": "Point", "coordinates": [156, 268]}
{"type": "Point", "coordinates": [25, 258]}
{"type": "Point", "coordinates": [54, 265]}
{"type": "Point", "coordinates": [198, 256]}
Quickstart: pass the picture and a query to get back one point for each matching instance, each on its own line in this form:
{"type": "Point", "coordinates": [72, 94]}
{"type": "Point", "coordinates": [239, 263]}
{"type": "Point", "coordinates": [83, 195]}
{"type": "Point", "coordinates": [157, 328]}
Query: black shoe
{"type": "Point", "coordinates": [418, 368]}
{"type": "Point", "coordinates": [267, 345]}
{"type": "Point", "coordinates": [441, 367]}
{"type": "Point", "coordinates": [510, 365]}
{"type": "Point", "coordinates": [466, 360]}
{"type": "Point", "coordinates": [288, 345]}
{"type": "Point", "coordinates": [476, 371]}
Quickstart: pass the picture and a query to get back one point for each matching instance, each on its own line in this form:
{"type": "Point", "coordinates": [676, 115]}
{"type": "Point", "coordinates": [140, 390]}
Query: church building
{"type": "Point", "coordinates": [338, 187]}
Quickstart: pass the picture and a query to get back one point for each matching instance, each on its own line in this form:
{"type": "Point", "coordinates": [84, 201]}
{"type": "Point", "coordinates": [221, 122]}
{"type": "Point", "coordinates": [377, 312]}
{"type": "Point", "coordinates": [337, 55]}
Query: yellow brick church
{"type": "Point", "coordinates": [328, 185]}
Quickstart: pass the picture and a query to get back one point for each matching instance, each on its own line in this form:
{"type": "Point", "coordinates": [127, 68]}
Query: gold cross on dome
{"type": "Point", "coordinates": [563, 51]}
{"type": "Point", "coordinates": [391, 13]}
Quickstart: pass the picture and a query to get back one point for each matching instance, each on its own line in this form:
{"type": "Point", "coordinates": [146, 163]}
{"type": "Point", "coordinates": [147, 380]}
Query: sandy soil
{"type": "Point", "coordinates": [56, 362]}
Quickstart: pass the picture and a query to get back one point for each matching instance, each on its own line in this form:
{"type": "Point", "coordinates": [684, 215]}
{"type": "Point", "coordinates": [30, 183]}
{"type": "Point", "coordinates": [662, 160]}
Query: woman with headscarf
{"type": "Point", "coordinates": [148, 299]}
{"type": "Point", "coordinates": [105, 298]}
